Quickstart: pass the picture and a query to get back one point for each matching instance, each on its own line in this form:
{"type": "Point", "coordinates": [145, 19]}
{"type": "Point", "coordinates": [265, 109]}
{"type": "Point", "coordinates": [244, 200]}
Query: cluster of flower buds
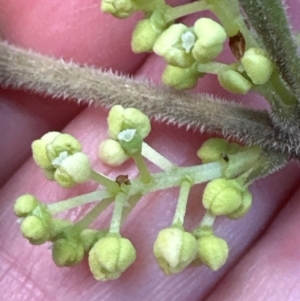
{"type": "Point", "coordinates": [227, 167]}
{"type": "Point", "coordinates": [60, 157]}
{"type": "Point", "coordinates": [127, 129]}
{"type": "Point", "coordinates": [190, 52]}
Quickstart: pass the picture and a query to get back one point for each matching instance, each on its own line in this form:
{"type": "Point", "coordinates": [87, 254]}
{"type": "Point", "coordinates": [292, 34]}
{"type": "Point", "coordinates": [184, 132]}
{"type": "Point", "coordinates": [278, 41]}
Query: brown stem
{"type": "Point", "coordinates": [26, 69]}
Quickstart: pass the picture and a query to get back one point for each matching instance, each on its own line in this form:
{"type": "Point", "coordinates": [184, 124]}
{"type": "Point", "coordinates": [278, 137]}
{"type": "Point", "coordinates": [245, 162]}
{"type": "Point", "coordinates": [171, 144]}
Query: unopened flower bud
{"type": "Point", "coordinates": [35, 229]}
{"type": "Point", "coordinates": [257, 65]}
{"type": "Point", "coordinates": [211, 37]}
{"type": "Point", "coordinates": [135, 119]}
{"type": "Point", "coordinates": [213, 251]}
{"type": "Point", "coordinates": [120, 119]}
{"type": "Point", "coordinates": [67, 253]}
{"type": "Point", "coordinates": [233, 81]}
{"type": "Point", "coordinates": [243, 209]}
{"type": "Point", "coordinates": [73, 170]}
{"type": "Point", "coordinates": [222, 196]}
{"type": "Point", "coordinates": [215, 149]}
{"type": "Point", "coordinates": [118, 8]}
{"type": "Point", "coordinates": [174, 250]}
{"type": "Point", "coordinates": [63, 143]}
{"type": "Point", "coordinates": [25, 204]}
{"type": "Point", "coordinates": [90, 236]}
{"type": "Point", "coordinates": [144, 36]}
{"type": "Point", "coordinates": [39, 151]}
{"type": "Point", "coordinates": [111, 153]}
{"type": "Point", "coordinates": [175, 44]}
{"type": "Point", "coordinates": [180, 78]}
{"type": "Point", "coordinates": [110, 257]}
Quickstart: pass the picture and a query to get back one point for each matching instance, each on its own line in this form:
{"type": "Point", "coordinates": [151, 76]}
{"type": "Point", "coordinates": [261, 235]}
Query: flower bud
{"type": "Point", "coordinates": [25, 204]}
{"type": "Point", "coordinates": [174, 45]}
{"type": "Point", "coordinates": [222, 196]}
{"type": "Point", "coordinates": [115, 121]}
{"type": "Point", "coordinates": [144, 36]}
{"type": "Point", "coordinates": [66, 252]}
{"type": "Point", "coordinates": [180, 78]}
{"type": "Point", "coordinates": [257, 65]}
{"type": "Point", "coordinates": [111, 153]}
{"type": "Point", "coordinates": [120, 119]}
{"type": "Point", "coordinates": [135, 119]}
{"type": "Point", "coordinates": [118, 8]}
{"type": "Point", "coordinates": [243, 209]}
{"type": "Point", "coordinates": [62, 143]}
{"type": "Point", "coordinates": [35, 230]}
{"type": "Point", "coordinates": [213, 251]}
{"type": "Point", "coordinates": [174, 249]}
{"type": "Point", "coordinates": [211, 37]}
{"type": "Point", "coordinates": [110, 257]}
{"type": "Point", "coordinates": [90, 236]}
{"type": "Point", "coordinates": [39, 152]}
{"type": "Point", "coordinates": [73, 170]}
{"type": "Point", "coordinates": [233, 81]}
{"type": "Point", "coordinates": [214, 149]}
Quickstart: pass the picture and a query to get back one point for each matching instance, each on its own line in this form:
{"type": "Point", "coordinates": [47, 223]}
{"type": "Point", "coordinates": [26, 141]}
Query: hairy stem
{"type": "Point", "coordinates": [270, 23]}
{"type": "Point", "coordinates": [32, 71]}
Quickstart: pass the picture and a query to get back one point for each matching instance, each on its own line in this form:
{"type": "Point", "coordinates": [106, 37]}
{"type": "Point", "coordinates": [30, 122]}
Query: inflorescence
{"type": "Point", "coordinates": [227, 167]}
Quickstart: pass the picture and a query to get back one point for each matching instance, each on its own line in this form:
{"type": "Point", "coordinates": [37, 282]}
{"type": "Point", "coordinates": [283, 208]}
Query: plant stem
{"type": "Point", "coordinates": [179, 11]}
{"type": "Point", "coordinates": [207, 220]}
{"type": "Point", "coordinates": [98, 195]}
{"type": "Point", "coordinates": [142, 167]}
{"type": "Point", "coordinates": [108, 183]}
{"type": "Point", "coordinates": [121, 200]}
{"type": "Point", "coordinates": [179, 215]}
{"type": "Point", "coordinates": [93, 214]}
{"type": "Point", "coordinates": [173, 178]}
{"type": "Point", "coordinates": [153, 156]}
{"type": "Point", "coordinates": [33, 71]}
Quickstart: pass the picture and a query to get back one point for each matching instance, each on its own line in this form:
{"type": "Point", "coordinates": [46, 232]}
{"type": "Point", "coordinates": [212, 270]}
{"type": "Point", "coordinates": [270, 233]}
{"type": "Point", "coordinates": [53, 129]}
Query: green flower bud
{"type": "Point", "coordinates": [211, 37]}
{"type": "Point", "coordinates": [180, 78]}
{"type": "Point", "coordinates": [118, 8]}
{"type": "Point", "coordinates": [233, 81]}
{"type": "Point", "coordinates": [39, 151]}
{"type": "Point", "coordinates": [257, 65]}
{"type": "Point", "coordinates": [66, 252]}
{"type": "Point", "coordinates": [135, 119]}
{"type": "Point", "coordinates": [175, 44]}
{"type": "Point", "coordinates": [111, 153]}
{"type": "Point", "coordinates": [120, 119]}
{"type": "Point", "coordinates": [214, 149]}
{"type": "Point", "coordinates": [243, 209]}
{"type": "Point", "coordinates": [90, 236]}
{"type": "Point", "coordinates": [110, 257]}
{"type": "Point", "coordinates": [144, 36]}
{"type": "Point", "coordinates": [174, 250]}
{"type": "Point", "coordinates": [213, 251]}
{"type": "Point", "coordinates": [73, 170]}
{"type": "Point", "coordinates": [222, 196]}
{"type": "Point", "coordinates": [148, 30]}
{"type": "Point", "coordinates": [115, 121]}
{"type": "Point", "coordinates": [35, 230]}
{"type": "Point", "coordinates": [62, 143]}
{"type": "Point", "coordinates": [130, 142]}
{"type": "Point", "coordinates": [25, 204]}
